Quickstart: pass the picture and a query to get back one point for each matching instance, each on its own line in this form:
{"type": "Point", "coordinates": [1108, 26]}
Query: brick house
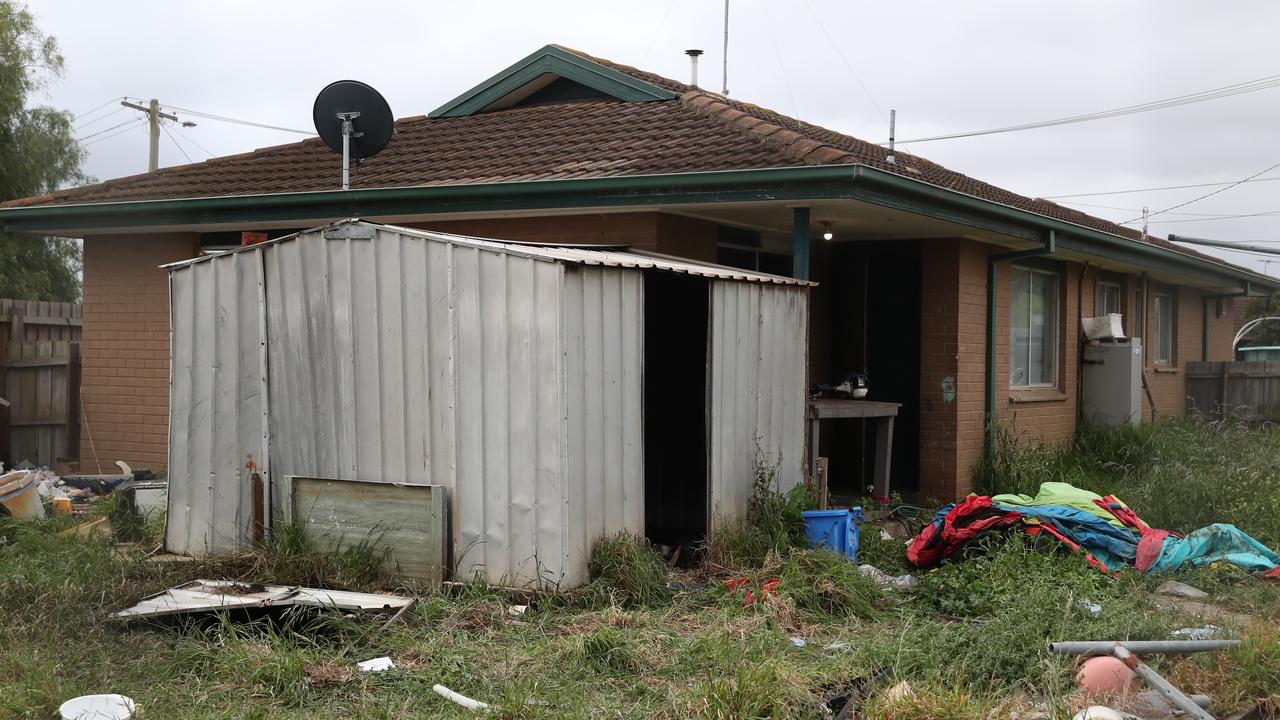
{"type": "Point", "coordinates": [562, 147]}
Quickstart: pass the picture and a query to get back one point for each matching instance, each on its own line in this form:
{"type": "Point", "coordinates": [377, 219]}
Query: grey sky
{"type": "Point", "coordinates": [945, 67]}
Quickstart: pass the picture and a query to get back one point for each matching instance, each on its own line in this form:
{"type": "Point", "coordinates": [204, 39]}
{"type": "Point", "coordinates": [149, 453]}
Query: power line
{"type": "Point", "coordinates": [191, 140]}
{"type": "Point", "coordinates": [1225, 91]}
{"type": "Point", "coordinates": [777, 49]}
{"type": "Point", "coordinates": [237, 121]}
{"type": "Point", "coordinates": [113, 127]}
{"type": "Point", "coordinates": [96, 120]}
{"type": "Point", "coordinates": [656, 32]}
{"type": "Point", "coordinates": [1129, 209]}
{"type": "Point", "coordinates": [174, 140]}
{"type": "Point", "coordinates": [1210, 194]}
{"type": "Point", "coordinates": [1238, 216]}
{"type": "Point", "coordinates": [137, 122]}
{"type": "Point", "coordinates": [1154, 189]}
{"type": "Point", "coordinates": [94, 110]}
{"type": "Point", "coordinates": [846, 61]}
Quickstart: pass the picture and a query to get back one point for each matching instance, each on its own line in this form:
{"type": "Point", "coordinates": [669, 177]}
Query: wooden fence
{"type": "Point", "coordinates": [1243, 389]}
{"type": "Point", "coordinates": [40, 378]}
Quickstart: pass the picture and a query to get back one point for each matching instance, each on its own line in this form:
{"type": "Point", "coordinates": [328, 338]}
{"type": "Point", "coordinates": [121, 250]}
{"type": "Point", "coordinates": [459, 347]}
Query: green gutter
{"type": "Point", "coordinates": [989, 417]}
{"type": "Point", "coordinates": [856, 182]}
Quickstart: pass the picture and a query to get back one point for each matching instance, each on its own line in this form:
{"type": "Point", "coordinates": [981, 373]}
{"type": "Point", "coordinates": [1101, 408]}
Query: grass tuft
{"type": "Point", "coordinates": [626, 570]}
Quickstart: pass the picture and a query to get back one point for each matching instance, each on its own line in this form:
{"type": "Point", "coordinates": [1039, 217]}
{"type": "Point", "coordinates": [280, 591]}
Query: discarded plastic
{"type": "Point", "coordinates": [880, 577]}
{"type": "Point", "coordinates": [1208, 632]}
{"type": "Point", "coordinates": [377, 664]}
{"type": "Point", "coordinates": [20, 495]}
{"type": "Point", "coordinates": [1100, 712]}
{"type": "Point", "coordinates": [1094, 608]}
{"type": "Point", "coordinates": [798, 641]}
{"type": "Point", "coordinates": [837, 645]}
{"type": "Point", "coordinates": [460, 699]}
{"type": "Point", "coordinates": [98, 707]}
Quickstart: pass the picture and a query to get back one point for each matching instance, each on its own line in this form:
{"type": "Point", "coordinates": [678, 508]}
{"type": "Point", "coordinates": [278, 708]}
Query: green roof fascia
{"type": "Point", "coordinates": [855, 182]}
{"type": "Point", "coordinates": [552, 59]}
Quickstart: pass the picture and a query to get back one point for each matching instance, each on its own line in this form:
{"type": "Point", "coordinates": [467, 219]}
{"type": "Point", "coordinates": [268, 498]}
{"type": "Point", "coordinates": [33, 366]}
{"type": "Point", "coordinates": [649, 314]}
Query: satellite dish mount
{"type": "Point", "coordinates": [348, 132]}
{"type": "Point", "coordinates": [335, 113]}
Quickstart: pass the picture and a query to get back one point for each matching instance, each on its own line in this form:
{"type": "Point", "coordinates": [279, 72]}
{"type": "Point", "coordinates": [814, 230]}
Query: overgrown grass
{"type": "Point", "coordinates": [1179, 474]}
{"type": "Point", "coordinates": [969, 642]}
{"type": "Point", "coordinates": [774, 522]}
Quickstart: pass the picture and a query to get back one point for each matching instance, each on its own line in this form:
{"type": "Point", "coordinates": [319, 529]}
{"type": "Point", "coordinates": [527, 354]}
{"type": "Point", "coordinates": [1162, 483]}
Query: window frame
{"type": "Point", "coordinates": [1055, 351]}
{"type": "Point", "coordinates": [1158, 356]}
{"type": "Point", "coordinates": [1100, 300]}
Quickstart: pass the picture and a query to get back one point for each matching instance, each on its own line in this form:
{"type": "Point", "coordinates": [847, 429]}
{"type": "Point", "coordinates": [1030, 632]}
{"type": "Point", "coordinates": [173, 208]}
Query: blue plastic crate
{"type": "Point", "coordinates": [835, 530]}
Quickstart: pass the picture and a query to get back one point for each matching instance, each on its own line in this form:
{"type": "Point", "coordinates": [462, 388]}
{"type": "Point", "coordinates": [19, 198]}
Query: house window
{"type": "Point", "coordinates": [1108, 298]}
{"type": "Point", "coordinates": [1033, 328]}
{"type": "Point", "coordinates": [1164, 329]}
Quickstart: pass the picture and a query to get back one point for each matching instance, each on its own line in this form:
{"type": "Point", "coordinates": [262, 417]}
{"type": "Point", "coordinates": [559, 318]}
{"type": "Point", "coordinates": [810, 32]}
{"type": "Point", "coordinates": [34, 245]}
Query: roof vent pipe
{"type": "Point", "coordinates": [693, 66]}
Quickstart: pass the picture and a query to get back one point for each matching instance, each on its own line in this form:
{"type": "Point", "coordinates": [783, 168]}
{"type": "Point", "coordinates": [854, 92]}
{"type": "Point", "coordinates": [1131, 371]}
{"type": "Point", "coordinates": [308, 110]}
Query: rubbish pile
{"type": "Point", "coordinates": [30, 491]}
{"type": "Point", "coordinates": [1110, 534]}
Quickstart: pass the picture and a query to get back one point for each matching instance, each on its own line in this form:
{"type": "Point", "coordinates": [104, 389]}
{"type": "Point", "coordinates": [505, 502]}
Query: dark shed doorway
{"type": "Point", "coordinates": [675, 408]}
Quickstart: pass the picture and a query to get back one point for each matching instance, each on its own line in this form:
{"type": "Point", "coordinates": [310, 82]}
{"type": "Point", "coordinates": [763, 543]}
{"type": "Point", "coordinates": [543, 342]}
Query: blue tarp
{"type": "Point", "coordinates": [1216, 543]}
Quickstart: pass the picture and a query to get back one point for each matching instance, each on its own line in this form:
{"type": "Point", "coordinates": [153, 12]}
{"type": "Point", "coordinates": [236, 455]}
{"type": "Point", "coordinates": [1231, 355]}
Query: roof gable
{"type": "Point", "coordinates": [544, 68]}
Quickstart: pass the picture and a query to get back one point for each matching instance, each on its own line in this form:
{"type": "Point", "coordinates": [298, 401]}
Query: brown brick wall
{"type": "Point", "coordinates": [125, 348]}
{"type": "Point", "coordinates": [939, 356]}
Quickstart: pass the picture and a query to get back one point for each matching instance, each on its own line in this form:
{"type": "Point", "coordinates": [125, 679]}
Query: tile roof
{"type": "Point", "coordinates": [699, 131]}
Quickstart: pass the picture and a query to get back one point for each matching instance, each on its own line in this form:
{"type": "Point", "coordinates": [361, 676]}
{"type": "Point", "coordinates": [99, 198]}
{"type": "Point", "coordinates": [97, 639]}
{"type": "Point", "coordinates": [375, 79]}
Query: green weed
{"type": "Point", "coordinates": [625, 569]}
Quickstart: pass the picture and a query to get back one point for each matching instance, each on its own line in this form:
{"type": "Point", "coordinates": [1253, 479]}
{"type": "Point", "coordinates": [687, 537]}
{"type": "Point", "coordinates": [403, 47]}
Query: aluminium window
{"type": "Point", "coordinates": [1033, 328]}
{"type": "Point", "coordinates": [1164, 328]}
{"type": "Point", "coordinates": [1109, 298]}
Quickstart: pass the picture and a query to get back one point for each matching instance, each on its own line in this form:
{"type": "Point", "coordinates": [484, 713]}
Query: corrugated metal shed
{"type": "Point", "coordinates": [510, 374]}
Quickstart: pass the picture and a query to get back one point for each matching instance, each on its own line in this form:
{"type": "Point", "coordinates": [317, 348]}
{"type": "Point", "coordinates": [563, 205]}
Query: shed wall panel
{"type": "Point", "coordinates": [604, 341]}
{"type": "Point", "coordinates": [757, 389]}
{"type": "Point", "coordinates": [215, 403]}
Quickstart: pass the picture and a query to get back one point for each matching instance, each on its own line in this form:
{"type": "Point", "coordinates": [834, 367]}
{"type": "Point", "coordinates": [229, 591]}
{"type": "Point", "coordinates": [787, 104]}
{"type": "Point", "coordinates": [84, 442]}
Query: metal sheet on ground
{"type": "Point", "coordinates": [407, 520]}
{"type": "Point", "coordinates": [215, 595]}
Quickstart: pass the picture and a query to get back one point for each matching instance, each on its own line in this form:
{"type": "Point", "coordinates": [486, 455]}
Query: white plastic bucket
{"type": "Point", "coordinates": [20, 494]}
{"type": "Point", "coordinates": [98, 707]}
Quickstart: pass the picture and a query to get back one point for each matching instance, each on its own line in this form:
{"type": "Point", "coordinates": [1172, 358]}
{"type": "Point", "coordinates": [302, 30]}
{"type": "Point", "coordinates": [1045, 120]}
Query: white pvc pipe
{"type": "Point", "coordinates": [462, 700]}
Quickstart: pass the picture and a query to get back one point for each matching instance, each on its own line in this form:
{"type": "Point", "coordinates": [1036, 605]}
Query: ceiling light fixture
{"type": "Point", "coordinates": [826, 230]}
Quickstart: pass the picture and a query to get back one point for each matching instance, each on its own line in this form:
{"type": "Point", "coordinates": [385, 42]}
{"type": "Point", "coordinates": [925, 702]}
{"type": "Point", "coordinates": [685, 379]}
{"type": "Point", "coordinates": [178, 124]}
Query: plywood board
{"type": "Point", "coordinates": [407, 520]}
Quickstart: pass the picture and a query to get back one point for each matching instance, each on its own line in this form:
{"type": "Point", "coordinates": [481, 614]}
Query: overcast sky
{"type": "Point", "coordinates": [945, 67]}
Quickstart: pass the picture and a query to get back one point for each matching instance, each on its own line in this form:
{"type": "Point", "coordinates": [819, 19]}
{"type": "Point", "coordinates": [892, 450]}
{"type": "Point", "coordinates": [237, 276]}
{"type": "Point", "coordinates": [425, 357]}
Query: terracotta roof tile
{"type": "Point", "coordinates": [699, 131]}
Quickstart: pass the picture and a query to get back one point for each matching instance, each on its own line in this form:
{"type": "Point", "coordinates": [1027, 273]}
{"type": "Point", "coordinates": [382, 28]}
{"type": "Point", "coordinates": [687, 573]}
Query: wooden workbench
{"type": "Point", "coordinates": [882, 413]}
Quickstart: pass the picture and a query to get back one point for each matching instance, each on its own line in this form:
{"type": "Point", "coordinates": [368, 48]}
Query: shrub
{"type": "Point", "coordinates": [774, 521]}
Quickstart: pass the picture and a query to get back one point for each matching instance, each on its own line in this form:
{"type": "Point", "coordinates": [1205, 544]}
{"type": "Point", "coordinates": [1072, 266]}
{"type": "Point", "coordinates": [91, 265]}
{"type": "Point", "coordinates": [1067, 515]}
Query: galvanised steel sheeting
{"type": "Point", "coordinates": [410, 360]}
{"type": "Point", "coordinates": [216, 403]}
{"type": "Point", "coordinates": [757, 389]}
{"type": "Point", "coordinates": [604, 393]}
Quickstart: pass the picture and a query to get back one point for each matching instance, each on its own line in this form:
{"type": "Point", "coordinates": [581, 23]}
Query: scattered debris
{"type": "Point", "coordinates": [898, 582]}
{"type": "Point", "coordinates": [837, 645]}
{"type": "Point", "coordinates": [325, 674]}
{"type": "Point", "coordinates": [517, 610]}
{"type": "Point", "coordinates": [1125, 652]}
{"type": "Point", "coordinates": [462, 700]}
{"type": "Point", "coordinates": [20, 495]}
{"type": "Point", "coordinates": [1105, 675]}
{"type": "Point", "coordinates": [100, 527]}
{"type": "Point", "coordinates": [377, 664]}
{"type": "Point", "coordinates": [1151, 705]}
{"type": "Point", "coordinates": [98, 707]}
{"type": "Point", "coordinates": [1101, 712]}
{"type": "Point", "coordinates": [1208, 632]}
{"type": "Point", "coordinates": [1183, 590]}
{"type": "Point", "coordinates": [897, 693]}
{"type": "Point", "coordinates": [798, 641]}
{"type": "Point", "coordinates": [201, 596]}
{"type": "Point", "coordinates": [1093, 608]}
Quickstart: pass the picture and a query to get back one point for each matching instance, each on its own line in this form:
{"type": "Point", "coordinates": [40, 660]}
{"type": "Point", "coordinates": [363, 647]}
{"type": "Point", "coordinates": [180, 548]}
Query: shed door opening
{"type": "Point", "coordinates": [675, 408]}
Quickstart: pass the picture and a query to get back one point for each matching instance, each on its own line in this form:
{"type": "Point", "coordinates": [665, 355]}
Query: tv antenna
{"type": "Point", "coordinates": [353, 119]}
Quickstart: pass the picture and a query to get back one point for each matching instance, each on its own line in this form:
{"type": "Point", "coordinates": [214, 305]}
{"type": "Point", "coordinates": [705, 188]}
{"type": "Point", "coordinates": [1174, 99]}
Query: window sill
{"type": "Point", "coordinates": [1166, 369]}
{"type": "Point", "coordinates": [1035, 395]}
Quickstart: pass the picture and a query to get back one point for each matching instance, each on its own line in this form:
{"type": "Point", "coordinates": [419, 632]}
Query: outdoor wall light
{"type": "Point", "coordinates": [826, 230]}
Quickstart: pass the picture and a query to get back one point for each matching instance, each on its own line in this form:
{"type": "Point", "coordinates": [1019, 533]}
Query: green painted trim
{"type": "Point", "coordinates": [810, 182]}
{"type": "Point", "coordinates": [551, 59]}
{"type": "Point", "coordinates": [800, 242]}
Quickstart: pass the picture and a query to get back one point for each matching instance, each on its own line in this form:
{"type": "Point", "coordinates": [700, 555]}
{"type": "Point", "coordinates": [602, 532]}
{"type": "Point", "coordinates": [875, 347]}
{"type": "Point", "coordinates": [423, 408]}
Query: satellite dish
{"type": "Point", "coordinates": [353, 119]}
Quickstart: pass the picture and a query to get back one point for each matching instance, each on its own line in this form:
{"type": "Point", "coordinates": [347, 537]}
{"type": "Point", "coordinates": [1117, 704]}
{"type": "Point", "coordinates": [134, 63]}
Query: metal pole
{"type": "Point", "coordinates": [1142, 647]}
{"type": "Point", "coordinates": [346, 154]}
{"type": "Point", "coordinates": [1222, 244]}
{"type": "Point", "coordinates": [893, 122]}
{"type": "Point", "coordinates": [800, 243]}
{"type": "Point", "coordinates": [724, 87]}
{"type": "Point", "coordinates": [153, 113]}
{"type": "Point", "coordinates": [1154, 679]}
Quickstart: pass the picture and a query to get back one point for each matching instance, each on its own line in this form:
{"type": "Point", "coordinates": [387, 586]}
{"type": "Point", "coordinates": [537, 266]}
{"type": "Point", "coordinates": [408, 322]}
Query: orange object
{"type": "Point", "coordinates": [62, 505]}
{"type": "Point", "coordinates": [1105, 675]}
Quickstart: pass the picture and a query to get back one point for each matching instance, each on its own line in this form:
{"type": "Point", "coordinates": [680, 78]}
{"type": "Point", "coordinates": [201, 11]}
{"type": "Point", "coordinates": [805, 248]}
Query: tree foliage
{"type": "Point", "coordinates": [1267, 333]}
{"type": "Point", "coordinates": [38, 154]}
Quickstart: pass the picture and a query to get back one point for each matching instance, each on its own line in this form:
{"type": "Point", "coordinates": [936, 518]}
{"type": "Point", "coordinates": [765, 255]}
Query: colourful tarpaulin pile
{"type": "Point", "coordinates": [1110, 533]}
